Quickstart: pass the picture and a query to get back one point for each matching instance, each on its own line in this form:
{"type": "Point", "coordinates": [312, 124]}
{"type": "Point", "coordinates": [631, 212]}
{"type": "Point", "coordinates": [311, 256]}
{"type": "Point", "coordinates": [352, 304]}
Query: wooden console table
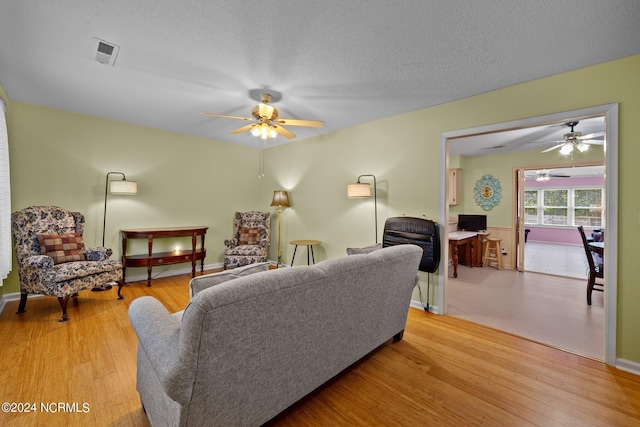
{"type": "Point", "coordinates": [152, 259]}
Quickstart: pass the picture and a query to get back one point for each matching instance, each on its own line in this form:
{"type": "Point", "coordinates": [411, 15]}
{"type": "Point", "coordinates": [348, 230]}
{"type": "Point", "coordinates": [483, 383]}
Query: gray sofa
{"type": "Point", "coordinates": [253, 341]}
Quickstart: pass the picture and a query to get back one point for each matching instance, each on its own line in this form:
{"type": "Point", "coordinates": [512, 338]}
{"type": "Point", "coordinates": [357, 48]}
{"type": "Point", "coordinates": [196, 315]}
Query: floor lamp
{"type": "Point", "coordinates": [362, 190]}
{"type": "Point", "coordinates": [122, 187]}
{"type": "Point", "coordinates": [281, 200]}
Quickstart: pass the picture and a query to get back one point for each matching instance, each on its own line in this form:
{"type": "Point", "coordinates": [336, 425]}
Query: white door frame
{"type": "Point", "coordinates": [610, 112]}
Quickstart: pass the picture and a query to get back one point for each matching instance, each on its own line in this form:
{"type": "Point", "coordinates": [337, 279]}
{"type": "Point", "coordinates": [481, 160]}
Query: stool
{"type": "Point", "coordinates": [493, 252]}
{"type": "Point", "coordinates": [309, 244]}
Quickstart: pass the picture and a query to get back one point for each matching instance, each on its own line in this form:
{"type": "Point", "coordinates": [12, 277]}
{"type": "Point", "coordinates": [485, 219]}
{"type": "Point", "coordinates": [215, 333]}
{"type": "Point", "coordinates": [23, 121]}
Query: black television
{"type": "Point", "coordinates": [472, 222]}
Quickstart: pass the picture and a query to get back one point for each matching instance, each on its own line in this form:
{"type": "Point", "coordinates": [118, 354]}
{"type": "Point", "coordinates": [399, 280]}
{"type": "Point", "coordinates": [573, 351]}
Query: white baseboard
{"type": "Point", "coordinates": [420, 306]}
{"type": "Point", "coordinates": [628, 365]}
{"type": "Point", "coordinates": [168, 272]}
{"type": "Point", "coordinates": [15, 296]}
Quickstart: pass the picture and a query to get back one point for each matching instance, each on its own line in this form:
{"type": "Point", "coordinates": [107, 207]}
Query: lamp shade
{"type": "Point", "coordinates": [358, 190]}
{"type": "Point", "coordinates": [124, 187]}
{"type": "Point", "coordinates": [280, 199]}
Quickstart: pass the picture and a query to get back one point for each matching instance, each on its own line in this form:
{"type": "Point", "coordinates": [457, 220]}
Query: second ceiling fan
{"type": "Point", "coordinates": [266, 121]}
{"type": "Point", "coordinates": [575, 139]}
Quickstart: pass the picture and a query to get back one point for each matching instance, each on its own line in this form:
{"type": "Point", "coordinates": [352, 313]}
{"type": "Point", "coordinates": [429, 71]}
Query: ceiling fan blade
{"type": "Point", "coordinates": [553, 148]}
{"type": "Point", "coordinates": [592, 141]}
{"type": "Point", "coordinates": [295, 122]}
{"type": "Point", "coordinates": [227, 117]}
{"type": "Point", "coordinates": [284, 132]}
{"type": "Point", "coordinates": [592, 135]}
{"type": "Point", "coordinates": [243, 129]}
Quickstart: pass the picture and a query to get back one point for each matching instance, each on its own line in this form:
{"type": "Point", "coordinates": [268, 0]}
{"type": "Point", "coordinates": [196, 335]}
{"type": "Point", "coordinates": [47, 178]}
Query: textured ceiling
{"type": "Point", "coordinates": [343, 62]}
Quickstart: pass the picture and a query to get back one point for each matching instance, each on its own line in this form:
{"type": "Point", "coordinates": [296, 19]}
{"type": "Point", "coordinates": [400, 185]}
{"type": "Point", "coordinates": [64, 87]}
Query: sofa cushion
{"type": "Point", "coordinates": [62, 247]}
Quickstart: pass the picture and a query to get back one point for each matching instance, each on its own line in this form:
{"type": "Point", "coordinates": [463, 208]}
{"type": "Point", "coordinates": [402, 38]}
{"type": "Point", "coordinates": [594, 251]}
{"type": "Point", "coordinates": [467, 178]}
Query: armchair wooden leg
{"type": "Point", "coordinates": [397, 337]}
{"type": "Point", "coordinates": [120, 284]}
{"type": "Point", "coordinates": [63, 303]}
{"type": "Point", "coordinates": [590, 284]}
{"type": "Point", "coordinates": [23, 303]}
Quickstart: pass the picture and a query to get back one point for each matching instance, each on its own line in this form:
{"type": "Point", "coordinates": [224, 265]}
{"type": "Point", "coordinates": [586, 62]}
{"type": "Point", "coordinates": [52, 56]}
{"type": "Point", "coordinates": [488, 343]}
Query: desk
{"type": "Point", "coordinates": [309, 244]}
{"type": "Point", "coordinates": [164, 258]}
{"type": "Point", "coordinates": [459, 238]}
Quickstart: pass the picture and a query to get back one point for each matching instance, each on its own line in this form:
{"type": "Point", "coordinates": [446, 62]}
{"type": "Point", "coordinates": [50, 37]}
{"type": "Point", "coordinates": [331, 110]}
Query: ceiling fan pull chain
{"type": "Point", "coordinates": [261, 159]}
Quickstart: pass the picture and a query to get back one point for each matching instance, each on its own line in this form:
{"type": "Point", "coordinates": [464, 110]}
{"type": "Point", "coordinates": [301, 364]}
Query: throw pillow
{"type": "Point", "coordinates": [249, 236]}
{"type": "Point", "coordinates": [62, 247]}
{"type": "Point", "coordinates": [354, 251]}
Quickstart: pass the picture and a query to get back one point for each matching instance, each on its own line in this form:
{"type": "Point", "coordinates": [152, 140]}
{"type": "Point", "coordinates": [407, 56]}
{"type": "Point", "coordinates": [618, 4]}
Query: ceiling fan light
{"type": "Point", "coordinates": [566, 149]}
{"type": "Point", "coordinates": [255, 131]}
{"type": "Point", "coordinates": [582, 147]}
{"type": "Point", "coordinates": [543, 177]}
{"type": "Point", "coordinates": [272, 132]}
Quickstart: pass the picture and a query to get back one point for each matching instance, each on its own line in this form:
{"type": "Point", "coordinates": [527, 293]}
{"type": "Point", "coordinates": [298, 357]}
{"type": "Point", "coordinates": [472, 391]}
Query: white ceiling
{"type": "Point", "coordinates": [343, 62]}
{"type": "Point", "coordinates": [537, 137]}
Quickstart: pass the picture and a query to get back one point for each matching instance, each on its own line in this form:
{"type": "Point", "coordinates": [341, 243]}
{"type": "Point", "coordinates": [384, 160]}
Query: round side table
{"type": "Point", "coordinates": [309, 244]}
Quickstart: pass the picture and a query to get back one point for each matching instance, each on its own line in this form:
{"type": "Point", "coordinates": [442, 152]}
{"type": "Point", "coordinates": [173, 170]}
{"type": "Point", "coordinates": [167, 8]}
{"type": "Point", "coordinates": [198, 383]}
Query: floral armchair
{"type": "Point", "coordinates": [52, 259]}
{"type": "Point", "coordinates": [250, 241]}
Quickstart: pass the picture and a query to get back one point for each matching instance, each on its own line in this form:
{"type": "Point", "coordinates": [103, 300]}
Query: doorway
{"type": "Point", "coordinates": [547, 240]}
{"type": "Point", "coordinates": [610, 112]}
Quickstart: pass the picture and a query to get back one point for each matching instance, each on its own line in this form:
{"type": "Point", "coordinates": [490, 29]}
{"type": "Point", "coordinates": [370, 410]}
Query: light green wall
{"type": "Point", "coordinates": [501, 168]}
{"type": "Point", "coordinates": [403, 152]}
{"type": "Point", "coordinates": [61, 158]}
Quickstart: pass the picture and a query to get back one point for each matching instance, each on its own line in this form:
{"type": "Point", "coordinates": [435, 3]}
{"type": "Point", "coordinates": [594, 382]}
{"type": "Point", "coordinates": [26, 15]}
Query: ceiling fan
{"type": "Point", "coordinates": [266, 123]}
{"type": "Point", "coordinates": [575, 139]}
{"type": "Point", "coordinates": [546, 175]}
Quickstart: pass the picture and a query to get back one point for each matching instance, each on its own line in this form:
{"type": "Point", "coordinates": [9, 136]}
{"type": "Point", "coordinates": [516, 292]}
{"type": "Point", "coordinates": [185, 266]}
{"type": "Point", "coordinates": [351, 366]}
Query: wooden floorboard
{"type": "Point", "coordinates": [446, 371]}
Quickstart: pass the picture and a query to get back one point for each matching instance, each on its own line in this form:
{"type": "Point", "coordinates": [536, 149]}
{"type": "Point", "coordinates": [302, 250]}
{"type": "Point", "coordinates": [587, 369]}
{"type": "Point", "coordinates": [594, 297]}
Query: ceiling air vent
{"type": "Point", "coordinates": [104, 52]}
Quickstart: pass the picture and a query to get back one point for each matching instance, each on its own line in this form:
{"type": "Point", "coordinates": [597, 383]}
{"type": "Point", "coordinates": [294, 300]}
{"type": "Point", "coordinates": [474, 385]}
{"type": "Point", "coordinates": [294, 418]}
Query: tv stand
{"type": "Point", "coordinates": [152, 259]}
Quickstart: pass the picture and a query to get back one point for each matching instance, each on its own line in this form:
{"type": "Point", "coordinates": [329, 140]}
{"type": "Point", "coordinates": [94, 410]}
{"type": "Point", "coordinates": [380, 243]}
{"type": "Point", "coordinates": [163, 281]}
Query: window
{"type": "Point", "coordinates": [531, 207]}
{"type": "Point", "coordinates": [588, 207]}
{"type": "Point", "coordinates": [564, 207]}
{"type": "Point", "coordinates": [555, 207]}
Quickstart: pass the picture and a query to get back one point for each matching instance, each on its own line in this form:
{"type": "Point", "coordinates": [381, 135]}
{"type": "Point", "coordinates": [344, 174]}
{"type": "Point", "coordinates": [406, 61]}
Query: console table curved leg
{"type": "Point", "coordinates": [150, 261]}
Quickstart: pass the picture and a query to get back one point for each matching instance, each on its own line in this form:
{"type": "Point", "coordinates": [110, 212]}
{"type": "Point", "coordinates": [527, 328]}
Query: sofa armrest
{"type": "Point", "coordinates": [39, 261]}
{"type": "Point", "coordinates": [231, 243]}
{"type": "Point", "coordinates": [200, 283]}
{"type": "Point", "coordinates": [158, 336]}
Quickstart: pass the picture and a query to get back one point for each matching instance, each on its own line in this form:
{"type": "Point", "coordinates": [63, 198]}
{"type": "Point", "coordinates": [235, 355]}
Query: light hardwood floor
{"type": "Point", "coordinates": [445, 371]}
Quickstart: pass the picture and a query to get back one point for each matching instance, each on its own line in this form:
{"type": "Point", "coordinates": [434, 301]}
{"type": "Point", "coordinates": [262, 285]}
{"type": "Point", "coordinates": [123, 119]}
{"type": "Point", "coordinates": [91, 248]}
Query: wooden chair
{"type": "Point", "coordinates": [596, 269]}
